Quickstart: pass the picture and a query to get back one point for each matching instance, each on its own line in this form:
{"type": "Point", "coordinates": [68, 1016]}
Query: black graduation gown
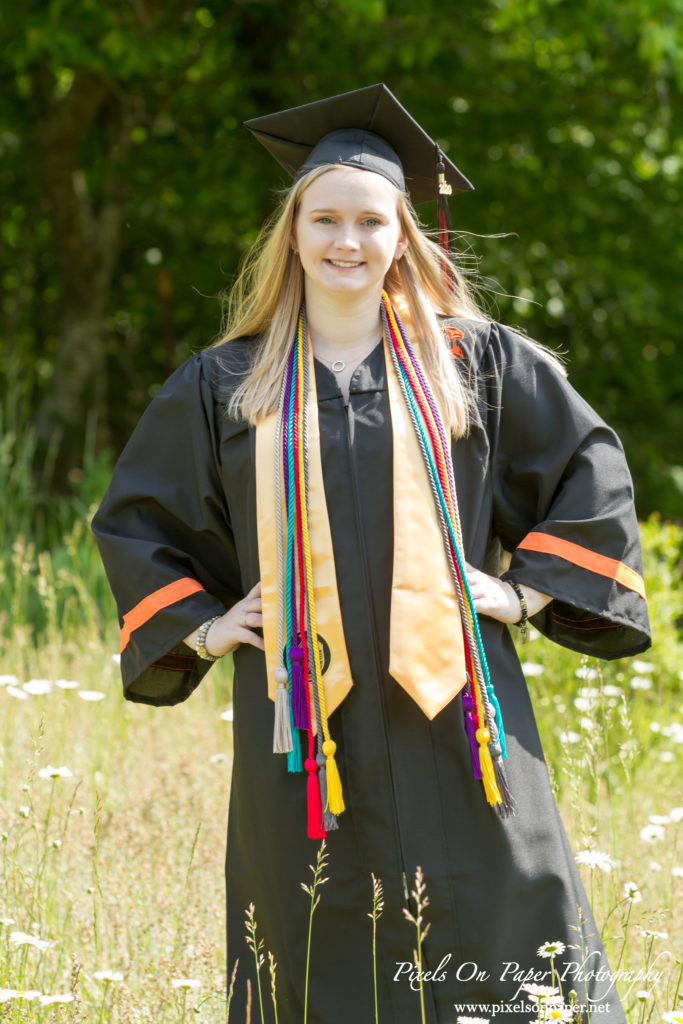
{"type": "Point", "coordinates": [181, 506]}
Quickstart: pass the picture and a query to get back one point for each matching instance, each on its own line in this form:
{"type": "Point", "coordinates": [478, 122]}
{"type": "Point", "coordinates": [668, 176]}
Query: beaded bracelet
{"type": "Point", "coordinates": [521, 622]}
{"type": "Point", "coordinates": [200, 643]}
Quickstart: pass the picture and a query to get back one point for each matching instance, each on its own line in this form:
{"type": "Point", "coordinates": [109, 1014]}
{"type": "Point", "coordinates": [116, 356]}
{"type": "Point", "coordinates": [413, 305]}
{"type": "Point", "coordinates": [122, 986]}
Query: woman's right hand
{"type": "Point", "coordinates": [235, 627]}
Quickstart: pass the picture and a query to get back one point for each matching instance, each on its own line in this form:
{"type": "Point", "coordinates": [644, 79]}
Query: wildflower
{"type": "Point", "coordinates": [612, 691]}
{"type": "Point", "coordinates": [673, 1017]}
{"type": "Point", "coordinates": [569, 737]}
{"type": "Point", "coordinates": [557, 1011]}
{"type": "Point", "coordinates": [67, 684]}
{"type": "Point", "coordinates": [227, 715]}
{"type": "Point", "coordinates": [549, 949]}
{"type": "Point", "coordinates": [651, 833]}
{"type": "Point", "coordinates": [655, 727]}
{"type": "Point", "coordinates": [643, 995]}
{"type": "Point", "coordinates": [13, 691]}
{"type": "Point", "coordinates": [55, 773]}
{"type": "Point", "coordinates": [116, 658]}
{"type": "Point", "coordinates": [582, 704]}
{"type": "Point", "coordinates": [55, 844]}
{"type": "Point", "coordinates": [6, 994]}
{"type": "Point", "coordinates": [642, 667]}
{"type": "Point", "coordinates": [472, 1020]}
{"type": "Point", "coordinates": [7, 921]}
{"type": "Point", "coordinates": [185, 983]}
{"type": "Point", "coordinates": [22, 939]}
{"type": "Point", "coordinates": [659, 819]}
{"type": "Point", "coordinates": [586, 673]}
{"type": "Point", "coordinates": [589, 692]}
{"type": "Point", "coordinates": [677, 872]}
{"type": "Point", "coordinates": [38, 687]}
{"type": "Point", "coordinates": [594, 859]}
{"type": "Point", "coordinates": [586, 723]}
{"type": "Point", "coordinates": [9, 681]}
{"type": "Point", "coordinates": [218, 758]}
{"type": "Point", "coordinates": [64, 997]}
{"type": "Point", "coordinates": [667, 756]}
{"type": "Point", "coordinates": [26, 994]}
{"type": "Point", "coordinates": [654, 865]}
{"type": "Point", "coordinates": [542, 991]}
{"type": "Point", "coordinates": [649, 934]}
{"type": "Point", "coordinates": [109, 976]}
{"type": "Point", "coordinates": [91, 695]}
{"type": "Point", "coordinates": [632, 892]}
{"type": "Point", "coordinates": [641, 683]}
{"type": "Point", "coordinates": [24, 811]}
{"type": "Point", "coordinates": [531, 668]}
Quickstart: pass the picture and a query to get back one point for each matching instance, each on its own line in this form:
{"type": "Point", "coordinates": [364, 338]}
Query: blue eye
{"type": "Point", "coordinates": [372, 222]}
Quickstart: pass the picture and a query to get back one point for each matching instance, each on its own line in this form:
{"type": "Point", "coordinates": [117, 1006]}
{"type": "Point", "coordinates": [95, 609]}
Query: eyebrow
{"type": "Point", "coordinates": [364, 213]}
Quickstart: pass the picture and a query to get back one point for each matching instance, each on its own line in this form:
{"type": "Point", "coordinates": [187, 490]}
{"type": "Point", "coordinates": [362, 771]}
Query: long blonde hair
{"type": "Point", "coordinates": [265, 301]}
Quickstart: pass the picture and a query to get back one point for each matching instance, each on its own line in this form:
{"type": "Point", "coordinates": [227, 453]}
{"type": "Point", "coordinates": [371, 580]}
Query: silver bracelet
{"type": "Point", "coordinates": [200, 643]}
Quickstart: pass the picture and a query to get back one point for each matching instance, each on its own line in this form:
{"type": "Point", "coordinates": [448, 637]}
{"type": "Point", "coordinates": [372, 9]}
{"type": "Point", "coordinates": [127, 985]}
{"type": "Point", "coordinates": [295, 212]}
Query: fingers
{"type": "Point", "coordinates": [245, 636]}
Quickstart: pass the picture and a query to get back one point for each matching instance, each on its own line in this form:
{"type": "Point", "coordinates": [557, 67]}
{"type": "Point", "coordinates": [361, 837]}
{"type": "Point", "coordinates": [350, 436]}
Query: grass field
{"type": "Point", "coordinates": [113, 815]}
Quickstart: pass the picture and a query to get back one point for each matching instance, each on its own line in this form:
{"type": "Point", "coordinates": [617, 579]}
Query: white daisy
{"type": "Point", "coordinates": [569, 737]}
{"type": "Point", "coordinates": [185, 983]}
{"type": "Point", "coordinates": [532, 668]}
{"type": "Point", "coordinates": [594, 859]}
{"type": "Point", "coordinates": [218, 758]}
{"type": "Point", "coordinates": [29, 994]}
{"type": "Point", "coordinates": [583, 703]}
{"type": "Point", "coordinates": [649, 934]}
{"type": "Point", "coordinates": [654, 865]}
{"type": "Point", "coordinates": [676, 814]}
{"type": "Point", "coordinates": [37, 687]}
{"type": "Point", "coordinates": [641, 683]}
{"type": "Point", "coordinates": [584, 672]}
{"type": "Point", "coordinates": [667, 757]}
{"type": "Point", "coordinates": [659, 819]}
{"type": "Point", "coordinates": [24, 811]}
{"type": "Point", "coordinates": [643, 995]}
{"type": "Point", "coordinates": [6, 994]}
{"type": "Point", "coordinates": [55, 773]}
{"type": "Point", "coordinates": [550, 949]}
{"type": "Point", "coordinates": [472, 1020]}
{"type": "Point", "coordinates": [13, 691]}
{"type": "Point", "coordinates": [541, 991]}
{"type": "Point", "coordinates": [108, 976]}
{"type": "Point", "coordinates": [652, 833]}
{"type": "Point", "coordinates": [673, 1017]}
{"type": "Point", "coordinates": [116, 658]}
{"type": "Point", "coordinates": [91, 695]}
{"type": "Point", "coordinates": [9, 681]}
{"type": "Point", "coordinates": [677, 872]}
{"type": "Point", "coordinates": [612, 691]}
{"type": "Point", "coordinates": [64, 997]}
{"type": "Point", "coordinates": [227, 715]}
{"type": "Point", "coordinates": [632, 892]}
{"type": "Point", "coordinates": [67, 684]}
{"type": "Point", "coordinates": [22, 939]}
{"type": "Point", "coordinates": [642, 667]}
{"type": "Point", "coordinates": [7, 921]}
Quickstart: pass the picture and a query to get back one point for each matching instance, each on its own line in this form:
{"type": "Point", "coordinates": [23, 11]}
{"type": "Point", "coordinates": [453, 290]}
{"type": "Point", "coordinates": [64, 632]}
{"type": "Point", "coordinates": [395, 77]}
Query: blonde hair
{"type": "Point", "coordinates": [265, 301]}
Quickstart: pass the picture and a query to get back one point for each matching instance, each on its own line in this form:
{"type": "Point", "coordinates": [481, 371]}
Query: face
{"type": "Point", "coordinates": [348, 233]}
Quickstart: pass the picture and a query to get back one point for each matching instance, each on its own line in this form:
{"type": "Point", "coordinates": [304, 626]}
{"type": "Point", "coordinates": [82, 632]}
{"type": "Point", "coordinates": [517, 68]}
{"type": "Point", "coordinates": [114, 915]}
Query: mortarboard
{"type": "Point", "coordinates": [366, 128]}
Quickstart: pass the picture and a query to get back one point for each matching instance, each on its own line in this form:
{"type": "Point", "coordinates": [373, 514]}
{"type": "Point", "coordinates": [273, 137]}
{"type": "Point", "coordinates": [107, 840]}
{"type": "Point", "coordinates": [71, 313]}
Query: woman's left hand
{"type": "Point", "coordinates": [497, 599]}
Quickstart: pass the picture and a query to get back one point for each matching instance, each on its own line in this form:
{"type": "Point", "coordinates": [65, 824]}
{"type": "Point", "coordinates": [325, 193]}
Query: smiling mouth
{"type": "Point", "coordinates": [345, 264]}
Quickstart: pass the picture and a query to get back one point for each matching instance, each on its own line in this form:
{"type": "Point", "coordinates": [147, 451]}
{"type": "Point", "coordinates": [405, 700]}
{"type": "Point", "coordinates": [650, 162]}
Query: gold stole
{"type": "Point", "coordinates": [426, 643]}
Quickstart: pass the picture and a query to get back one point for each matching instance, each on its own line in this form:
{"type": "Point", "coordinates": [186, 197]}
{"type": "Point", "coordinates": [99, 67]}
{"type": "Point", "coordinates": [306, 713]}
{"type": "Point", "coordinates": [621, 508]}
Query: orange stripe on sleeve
{"type": "Point", "coordinates": [586, 559]}
{"type": "Point", "coordinates": [154, 602]}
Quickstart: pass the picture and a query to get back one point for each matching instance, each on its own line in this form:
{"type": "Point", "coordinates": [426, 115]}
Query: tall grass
{"type": "Point", "coordinates": [113, 871]}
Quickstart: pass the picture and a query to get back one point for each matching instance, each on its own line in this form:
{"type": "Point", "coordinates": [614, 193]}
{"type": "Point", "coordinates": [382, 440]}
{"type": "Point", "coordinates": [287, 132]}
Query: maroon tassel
{"type": "Point", "coordinates": [299, 696]}
{"type": "Point", "coordinates": [468, 705]}
{"type": "Point", "coordinates": [444, 220]}
{"type": "Point", "coordinates": [315, 810]}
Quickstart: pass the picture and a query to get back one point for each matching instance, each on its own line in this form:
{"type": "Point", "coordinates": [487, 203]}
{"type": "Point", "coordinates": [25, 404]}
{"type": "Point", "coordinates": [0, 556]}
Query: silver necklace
{"type": "Point", "coordinates": [339, 365]}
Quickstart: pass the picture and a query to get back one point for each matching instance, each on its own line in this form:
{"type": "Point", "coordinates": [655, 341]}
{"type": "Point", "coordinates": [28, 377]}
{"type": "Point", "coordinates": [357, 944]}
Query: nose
{"type": "Point", "coordinates": [346, 239]}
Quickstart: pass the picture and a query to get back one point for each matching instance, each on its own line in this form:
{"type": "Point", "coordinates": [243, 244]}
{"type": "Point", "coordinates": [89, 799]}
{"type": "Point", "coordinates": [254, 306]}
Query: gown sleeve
{"type": "Point", "coordinates": [164, 535]}
{"type": "Point", "coordinates": [563, 504]}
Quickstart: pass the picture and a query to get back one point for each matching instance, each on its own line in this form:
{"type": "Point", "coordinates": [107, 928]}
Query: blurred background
{"type": "Point", "coordinates": [129, 190]}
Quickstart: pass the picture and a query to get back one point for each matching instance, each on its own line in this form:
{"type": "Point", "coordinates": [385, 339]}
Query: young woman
{"type": "Point", "coordinates": [325, 494]}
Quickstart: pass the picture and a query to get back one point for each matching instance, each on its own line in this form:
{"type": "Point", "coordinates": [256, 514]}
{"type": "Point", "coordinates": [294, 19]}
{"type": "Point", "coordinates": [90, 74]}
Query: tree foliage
{"type": "Point", "coordinates": [130, 190]}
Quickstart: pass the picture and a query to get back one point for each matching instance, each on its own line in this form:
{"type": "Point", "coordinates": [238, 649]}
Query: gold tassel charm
{"type": "Point", "coordinates": [335, 800]}
{"type": "Point", "coordinates": [493, 796]}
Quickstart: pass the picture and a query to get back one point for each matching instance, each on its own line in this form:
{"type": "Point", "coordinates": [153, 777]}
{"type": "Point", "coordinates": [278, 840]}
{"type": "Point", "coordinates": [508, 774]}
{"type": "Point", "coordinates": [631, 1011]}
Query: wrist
{"type": "Point", "coordinates": [523, 619]}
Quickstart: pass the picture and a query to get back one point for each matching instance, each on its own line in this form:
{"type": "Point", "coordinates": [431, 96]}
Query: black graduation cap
{"type": "Point", "coordinates": [366, 128]}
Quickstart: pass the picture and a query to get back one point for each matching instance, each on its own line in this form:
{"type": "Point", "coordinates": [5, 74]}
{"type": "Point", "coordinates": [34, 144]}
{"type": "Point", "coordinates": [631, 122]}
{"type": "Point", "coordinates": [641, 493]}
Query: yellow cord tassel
{"type": "Point", "coordinates": [335, 800]}
{"type": "Point", "coordinates": [486, 764]}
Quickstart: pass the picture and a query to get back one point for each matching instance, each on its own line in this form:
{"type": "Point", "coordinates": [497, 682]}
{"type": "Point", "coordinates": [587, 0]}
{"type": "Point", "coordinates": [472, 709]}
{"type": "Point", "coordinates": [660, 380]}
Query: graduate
{"type": "Point", "coordinates": [326, 494]}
